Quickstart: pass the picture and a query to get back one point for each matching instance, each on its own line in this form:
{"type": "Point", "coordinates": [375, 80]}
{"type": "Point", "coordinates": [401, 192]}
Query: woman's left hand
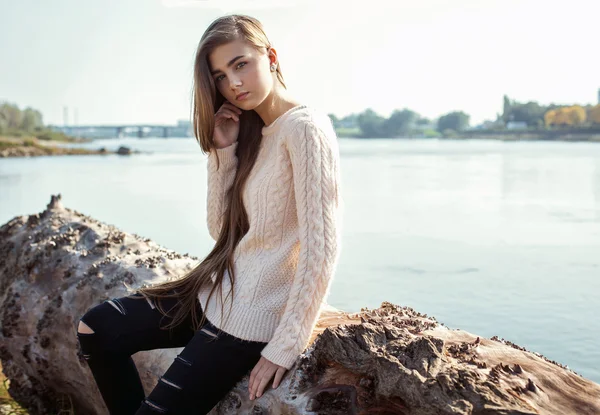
{"type": "Point", "coordinates": [262, 374]}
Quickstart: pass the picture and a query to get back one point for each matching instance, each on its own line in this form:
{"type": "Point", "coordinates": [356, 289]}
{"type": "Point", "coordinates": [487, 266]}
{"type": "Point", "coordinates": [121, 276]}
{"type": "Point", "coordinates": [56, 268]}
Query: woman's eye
{"type": "Point", "coordinates": [218, 78]}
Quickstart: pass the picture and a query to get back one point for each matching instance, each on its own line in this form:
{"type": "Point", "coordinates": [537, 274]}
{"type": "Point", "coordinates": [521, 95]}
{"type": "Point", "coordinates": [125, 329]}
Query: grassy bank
{"type": "Point", "coordinates": [7, 405]}
{"type": "Point", "coordinates": [39, 141]}
{"type": "Point", "coordinates": [43, 134]}
{"type": "Point", "coordinates": [11, 146]}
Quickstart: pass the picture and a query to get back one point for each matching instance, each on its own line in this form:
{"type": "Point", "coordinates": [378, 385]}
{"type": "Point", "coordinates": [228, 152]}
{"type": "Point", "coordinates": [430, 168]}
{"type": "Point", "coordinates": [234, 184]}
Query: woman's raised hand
{"type": "Point", "coordinates": [227, 125]}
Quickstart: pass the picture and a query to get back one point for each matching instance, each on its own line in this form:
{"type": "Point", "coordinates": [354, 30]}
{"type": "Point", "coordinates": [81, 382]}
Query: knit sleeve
{"type": "Point", "coordinates": [220, 181]}
{"type": "Point", "coordinates": [314, 155]}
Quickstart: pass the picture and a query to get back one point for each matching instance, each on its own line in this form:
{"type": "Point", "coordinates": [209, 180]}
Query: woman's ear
{"type": "Point", "coordinates": [272, 55]}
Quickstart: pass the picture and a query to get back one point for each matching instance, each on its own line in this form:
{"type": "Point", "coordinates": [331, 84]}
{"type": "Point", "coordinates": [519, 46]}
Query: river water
{"type": "Point", "coordinates": [495, 238]}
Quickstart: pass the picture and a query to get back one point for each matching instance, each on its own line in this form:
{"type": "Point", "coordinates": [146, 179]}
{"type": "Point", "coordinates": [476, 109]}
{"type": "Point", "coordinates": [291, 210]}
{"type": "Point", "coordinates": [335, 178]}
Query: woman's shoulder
{"type": "Point", "coordinates": [308, 120]}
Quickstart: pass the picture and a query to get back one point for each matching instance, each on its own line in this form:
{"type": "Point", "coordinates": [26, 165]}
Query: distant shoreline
{"type": "Point", "coordinates": [591, 134]}
{"type": "Point", "coordinates": [33, 147]}
{"type": "Point", "coordinates": [502, 136]}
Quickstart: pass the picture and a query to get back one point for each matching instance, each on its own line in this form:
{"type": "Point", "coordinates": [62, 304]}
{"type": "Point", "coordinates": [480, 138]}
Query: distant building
{"type": "Point", "coordinates": [424, 127]}
{"type": "Point", "coordinates": [516, 125]}
{"type": "Point", "coordinates": [344, 123]}
{"type": "Point", "coordinates": [598, 96]}
{"type": "Point", "coordinates": [487, 125]}
{"type": "Point", "coordinates": [185, 128]}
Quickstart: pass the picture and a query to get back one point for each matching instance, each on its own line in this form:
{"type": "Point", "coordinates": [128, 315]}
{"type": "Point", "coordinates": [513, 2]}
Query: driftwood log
{"type": "Point", "coordinates": [391, 360]}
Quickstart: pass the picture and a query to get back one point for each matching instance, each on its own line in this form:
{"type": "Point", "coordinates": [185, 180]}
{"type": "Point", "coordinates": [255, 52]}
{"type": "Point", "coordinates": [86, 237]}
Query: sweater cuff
{"type": "Point", "coordinates": [227, 154]}
{"type": "Point", "coordinates": [280, 357]}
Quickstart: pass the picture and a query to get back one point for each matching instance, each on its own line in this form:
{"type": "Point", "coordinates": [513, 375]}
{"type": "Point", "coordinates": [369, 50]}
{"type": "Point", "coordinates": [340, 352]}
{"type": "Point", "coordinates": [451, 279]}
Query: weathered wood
{"type": "Point", "coordinates": [391, 360]}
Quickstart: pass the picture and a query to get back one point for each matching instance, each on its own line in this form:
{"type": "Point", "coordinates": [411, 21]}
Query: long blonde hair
{"type": "Point", "coordinates": [206, 100]}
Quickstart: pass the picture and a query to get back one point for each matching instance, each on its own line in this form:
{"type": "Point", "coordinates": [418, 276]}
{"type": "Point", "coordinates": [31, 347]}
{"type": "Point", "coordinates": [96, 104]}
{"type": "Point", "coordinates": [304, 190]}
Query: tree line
{"type": "Point", "coordinates": [14, 119]}
{"type": "Point", "coordinates": [405, 122]}
{"type": "Point", "coordinates": [28, 122]}
{"type": "Point", "coordinates": [536, 115]}
{"type": "Point", "coordinates": [401, 123]}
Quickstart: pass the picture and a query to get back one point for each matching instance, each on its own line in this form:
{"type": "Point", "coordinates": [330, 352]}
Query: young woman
{"type": "Point", "coordinates": [274, 208]}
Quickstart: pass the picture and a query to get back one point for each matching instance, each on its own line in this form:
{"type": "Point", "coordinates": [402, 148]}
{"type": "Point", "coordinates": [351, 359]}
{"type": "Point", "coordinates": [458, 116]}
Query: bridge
{"type": "Point", "coordinates": [182, 129]}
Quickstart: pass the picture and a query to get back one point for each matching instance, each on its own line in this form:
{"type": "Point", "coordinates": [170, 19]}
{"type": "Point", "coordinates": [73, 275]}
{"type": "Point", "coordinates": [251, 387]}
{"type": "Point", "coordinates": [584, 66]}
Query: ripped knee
{"type": "Point", "coordinates": [86, 340]}
{"type": "Point", "coordinates": [84, 328]}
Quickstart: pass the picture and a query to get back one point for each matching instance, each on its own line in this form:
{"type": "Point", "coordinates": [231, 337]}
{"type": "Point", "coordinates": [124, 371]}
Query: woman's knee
{"type": "Point", "coordinates": [86, 335]}
{"type": "Point", "coordinates": [98, 325]}
{"type": "Point", "coordinates": [102, 317]}
{"type": "Point", "coordinates": [87, 339]}
{"type": "Point", "coordinates": [84, 328]}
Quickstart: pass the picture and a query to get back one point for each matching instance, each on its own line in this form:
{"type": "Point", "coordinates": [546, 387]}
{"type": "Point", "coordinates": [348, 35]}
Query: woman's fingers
{"type": "Point", "coordinates": [253, 377]}
{"type": "Point", "coordinates": [278, 376]}
{"type": "Point", "coordinates": [257, 381]}
{"type": "Point", "coordinates": [261, 376]}
{"type": "Point", "coordinates": [227, 113]}
{"type": "Point", "coordinates": [251, 380]}
{"type": "Point", "coordinates": [229, 105]}
{"type": "Point", "coordinates": [267, 376]}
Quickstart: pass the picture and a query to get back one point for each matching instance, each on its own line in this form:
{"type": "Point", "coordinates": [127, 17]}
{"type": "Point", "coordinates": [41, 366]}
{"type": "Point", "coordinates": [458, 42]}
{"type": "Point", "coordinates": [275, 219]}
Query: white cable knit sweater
{"type": "Point", "coordinates": [285, 264]}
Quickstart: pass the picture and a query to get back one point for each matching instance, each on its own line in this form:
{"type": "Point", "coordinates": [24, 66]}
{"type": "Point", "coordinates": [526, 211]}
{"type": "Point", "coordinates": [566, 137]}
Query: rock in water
{"type": "Point", "coordinates": [125, 151]}
{"type": "Point", "coordinates": [392, 360]}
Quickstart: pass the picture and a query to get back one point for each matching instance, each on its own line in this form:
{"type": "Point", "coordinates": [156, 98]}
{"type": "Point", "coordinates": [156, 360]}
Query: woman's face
{"type": "Point", "coordinates": [236, 68]}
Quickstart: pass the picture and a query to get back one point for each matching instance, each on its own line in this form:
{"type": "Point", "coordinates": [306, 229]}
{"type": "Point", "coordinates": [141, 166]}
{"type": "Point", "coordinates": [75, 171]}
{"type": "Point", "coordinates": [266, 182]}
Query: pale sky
{"type": "Point", "coordinates": [131, 61]}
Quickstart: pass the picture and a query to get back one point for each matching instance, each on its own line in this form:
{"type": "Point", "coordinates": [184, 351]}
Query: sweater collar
{"type": "Point", "coordinates": [279, 121]}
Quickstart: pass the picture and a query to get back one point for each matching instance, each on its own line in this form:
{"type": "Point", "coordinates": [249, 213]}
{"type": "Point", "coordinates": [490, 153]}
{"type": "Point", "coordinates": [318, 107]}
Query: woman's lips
{"type": "Point", "coordinates": [242, 96]}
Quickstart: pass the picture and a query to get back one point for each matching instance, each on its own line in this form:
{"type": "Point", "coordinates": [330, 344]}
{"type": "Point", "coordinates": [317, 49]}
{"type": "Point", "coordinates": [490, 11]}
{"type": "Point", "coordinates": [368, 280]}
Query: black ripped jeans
{"type": "Point", "coordinates": [208, 367]}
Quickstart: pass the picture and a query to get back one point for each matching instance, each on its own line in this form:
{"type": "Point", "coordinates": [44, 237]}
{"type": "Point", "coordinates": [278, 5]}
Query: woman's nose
{"type": "Point", "coordinates": [235, 83]}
